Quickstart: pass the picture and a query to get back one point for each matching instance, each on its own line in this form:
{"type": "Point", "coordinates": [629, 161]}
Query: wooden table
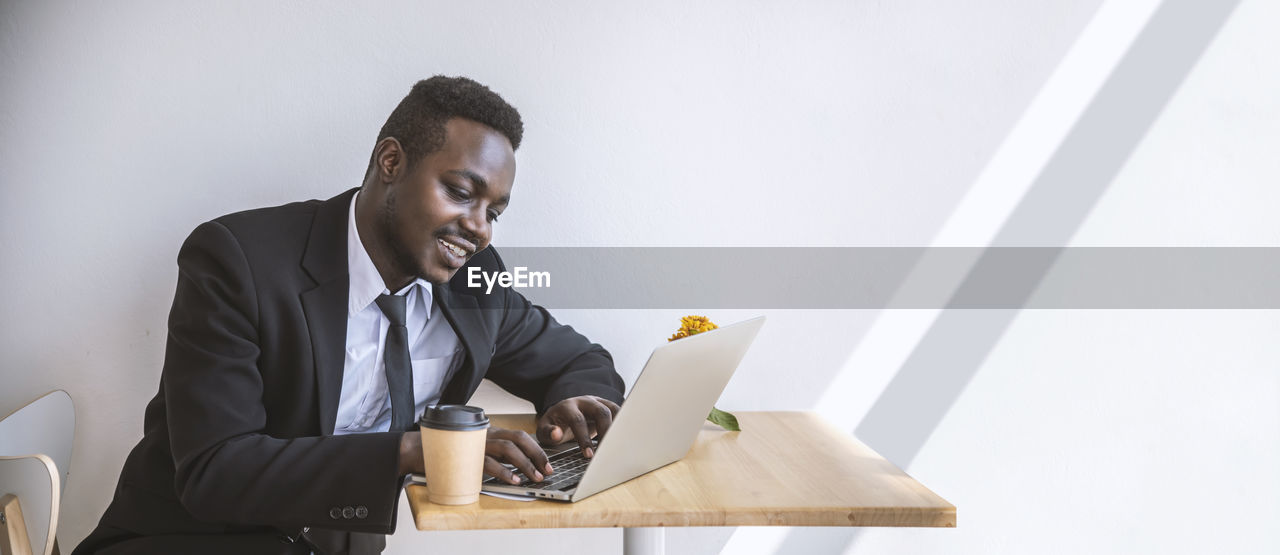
{"type": "Point", "coordinates": [783, 469]}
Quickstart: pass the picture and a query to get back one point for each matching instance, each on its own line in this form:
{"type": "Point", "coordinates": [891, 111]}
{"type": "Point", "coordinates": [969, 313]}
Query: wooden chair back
{"type": "Point", "coordinates": [35, 461]}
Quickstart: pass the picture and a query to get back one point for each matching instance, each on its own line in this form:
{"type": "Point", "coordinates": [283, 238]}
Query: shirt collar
{"type": "Point", "coordinates": [366, 282]}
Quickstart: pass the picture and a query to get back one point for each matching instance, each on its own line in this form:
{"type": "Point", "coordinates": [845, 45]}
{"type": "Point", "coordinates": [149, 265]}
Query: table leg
{"type": "Point", "coordinates": [643, 541]}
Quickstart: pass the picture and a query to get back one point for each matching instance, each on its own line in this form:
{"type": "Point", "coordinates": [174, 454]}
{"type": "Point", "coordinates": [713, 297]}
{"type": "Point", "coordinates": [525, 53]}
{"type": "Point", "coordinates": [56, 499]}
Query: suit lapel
{"type": "Point", "coordinates": [463, 314]}
{"type": "Point", "coordinates": [325, 305]}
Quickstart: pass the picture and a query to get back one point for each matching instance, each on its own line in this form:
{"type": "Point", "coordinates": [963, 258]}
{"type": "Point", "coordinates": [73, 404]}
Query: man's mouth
{"type": "Point", "coordinates": [456, 253]}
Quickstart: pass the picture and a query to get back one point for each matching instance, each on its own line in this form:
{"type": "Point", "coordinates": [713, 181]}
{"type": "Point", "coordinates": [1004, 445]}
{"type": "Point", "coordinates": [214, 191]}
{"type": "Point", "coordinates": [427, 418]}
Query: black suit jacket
{"type": "Point", "coordinates": [238, 443]}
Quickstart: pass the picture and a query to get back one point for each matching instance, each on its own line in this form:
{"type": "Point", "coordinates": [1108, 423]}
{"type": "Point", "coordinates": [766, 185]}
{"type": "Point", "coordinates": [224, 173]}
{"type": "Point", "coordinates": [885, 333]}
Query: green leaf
{"type": "Point", "coordinates": [724, 420]}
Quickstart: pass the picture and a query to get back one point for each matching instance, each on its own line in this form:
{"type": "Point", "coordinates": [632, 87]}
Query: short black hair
{"type": "Point", "coordinates": [418, 121]}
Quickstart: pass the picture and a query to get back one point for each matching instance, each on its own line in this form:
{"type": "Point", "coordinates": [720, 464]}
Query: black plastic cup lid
{"type": "Point", "coordinates": [460, 418]}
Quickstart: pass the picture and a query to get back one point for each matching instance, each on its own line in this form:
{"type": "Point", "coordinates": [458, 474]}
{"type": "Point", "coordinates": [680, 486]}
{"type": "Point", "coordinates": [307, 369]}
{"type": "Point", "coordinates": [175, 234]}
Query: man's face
{"type": "Point", "coordinates": [440, 213]}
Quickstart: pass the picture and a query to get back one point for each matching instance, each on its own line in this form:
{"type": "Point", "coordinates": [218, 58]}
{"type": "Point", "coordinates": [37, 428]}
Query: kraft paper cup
{"type": "Point", "coordinates": [453, 438]}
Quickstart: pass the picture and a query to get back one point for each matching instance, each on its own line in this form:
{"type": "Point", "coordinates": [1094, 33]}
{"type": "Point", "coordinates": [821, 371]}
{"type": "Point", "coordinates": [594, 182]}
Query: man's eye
{"type": "Point", "coordinates": [493, 217]}
{"type": "Point", "coordinates": [458, 193]}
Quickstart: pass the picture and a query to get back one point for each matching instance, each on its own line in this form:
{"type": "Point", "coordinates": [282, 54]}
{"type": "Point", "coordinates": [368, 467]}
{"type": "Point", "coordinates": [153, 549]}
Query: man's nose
{"type": "Point", "coordinates": [477, 225]}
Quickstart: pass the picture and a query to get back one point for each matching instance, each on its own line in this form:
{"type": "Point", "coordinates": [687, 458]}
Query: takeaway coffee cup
{"type": "Point", "coordinates": [453, 438]}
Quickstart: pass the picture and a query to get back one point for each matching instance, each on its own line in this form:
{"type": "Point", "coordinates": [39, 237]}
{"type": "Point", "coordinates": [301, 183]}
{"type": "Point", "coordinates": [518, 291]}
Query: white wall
{"type": "Point", "coordinates": [1127, 431]}
{"type": "Point", "coordinates": [123, 126]}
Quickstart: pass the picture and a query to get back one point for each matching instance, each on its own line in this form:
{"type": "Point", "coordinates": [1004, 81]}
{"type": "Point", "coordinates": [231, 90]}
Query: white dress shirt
{"type": "Point", "coordinates": [434, 350]}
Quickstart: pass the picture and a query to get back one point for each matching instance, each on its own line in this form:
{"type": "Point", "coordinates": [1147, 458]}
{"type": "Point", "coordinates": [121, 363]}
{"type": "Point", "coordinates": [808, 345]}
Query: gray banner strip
{"type": "Point", "coordinates": [892, 277]}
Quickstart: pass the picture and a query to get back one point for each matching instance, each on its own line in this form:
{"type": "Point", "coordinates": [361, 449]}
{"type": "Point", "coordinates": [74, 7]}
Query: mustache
{"type": "Point", "coordinates": [469, 237]}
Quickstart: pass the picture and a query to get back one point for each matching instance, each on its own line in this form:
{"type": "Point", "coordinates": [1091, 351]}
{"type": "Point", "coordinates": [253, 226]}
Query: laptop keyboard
{"type": "Point", "coordinates": [569, 467]}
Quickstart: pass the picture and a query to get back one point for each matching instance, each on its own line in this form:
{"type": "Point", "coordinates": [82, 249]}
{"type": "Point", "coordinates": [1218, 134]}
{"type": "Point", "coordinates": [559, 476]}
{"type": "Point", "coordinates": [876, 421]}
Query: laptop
{"type": "Point", "coordinates": [658, 422]}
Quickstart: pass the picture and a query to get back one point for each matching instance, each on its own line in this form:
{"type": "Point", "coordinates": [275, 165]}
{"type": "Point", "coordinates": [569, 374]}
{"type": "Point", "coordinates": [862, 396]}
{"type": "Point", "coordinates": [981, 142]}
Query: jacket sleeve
{"type": "Point", "coordinates": [546, 362]}
{"type": "Point", "coordinates": [227, 469]}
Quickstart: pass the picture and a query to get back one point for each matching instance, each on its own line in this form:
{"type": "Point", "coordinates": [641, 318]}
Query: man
{"type": "Point", "coordinates": [284, 419]}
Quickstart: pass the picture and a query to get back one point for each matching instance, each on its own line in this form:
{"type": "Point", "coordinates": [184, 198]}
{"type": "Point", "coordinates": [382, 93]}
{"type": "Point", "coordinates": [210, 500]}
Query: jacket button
{"type": "Point", "coordinates": [335, 513]}
{"type": "Point", "coordinates": [362, 511]}
{"type": "Point", "coordinates": [348, 513]}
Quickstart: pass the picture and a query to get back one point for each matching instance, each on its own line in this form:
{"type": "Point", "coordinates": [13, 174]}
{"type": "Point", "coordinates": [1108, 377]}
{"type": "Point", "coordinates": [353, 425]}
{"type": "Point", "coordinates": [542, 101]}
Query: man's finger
{"type": "Point", "coordinates": [601, 417]}
{"type": "Point", "coordinates": [494, 468]}
{"type": "Point", "coordinates": [505, 450]}
{"type": "Point", "coordinates": [548, 433]}
{"type": "Point", "coordinates": [613, 407]}
{"type": "Point", "coordinates": [578, 424]}
{"type": "Point", "coordinates": [536, 455]}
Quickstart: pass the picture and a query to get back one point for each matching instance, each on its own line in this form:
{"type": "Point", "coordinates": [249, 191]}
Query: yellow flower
{"type": "Point", "coordinates": [692, 325]}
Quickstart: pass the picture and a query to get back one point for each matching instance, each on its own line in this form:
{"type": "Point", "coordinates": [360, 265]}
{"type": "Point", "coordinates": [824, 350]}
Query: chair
{"type": "Point", "coordinates": [35, 459]}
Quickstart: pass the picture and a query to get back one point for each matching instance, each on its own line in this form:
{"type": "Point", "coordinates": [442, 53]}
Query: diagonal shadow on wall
{"type": "Point", "coordinates": [1089, 158]}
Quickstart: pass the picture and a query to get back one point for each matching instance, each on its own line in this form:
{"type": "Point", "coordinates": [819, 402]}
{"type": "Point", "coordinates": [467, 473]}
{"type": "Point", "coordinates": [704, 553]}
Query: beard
{"type": "Point", "coordinates": [401, 256]}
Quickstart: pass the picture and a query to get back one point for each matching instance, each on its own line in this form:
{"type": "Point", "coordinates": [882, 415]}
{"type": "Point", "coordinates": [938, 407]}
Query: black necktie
{"type": "Point", "coordinates": [395, 356]}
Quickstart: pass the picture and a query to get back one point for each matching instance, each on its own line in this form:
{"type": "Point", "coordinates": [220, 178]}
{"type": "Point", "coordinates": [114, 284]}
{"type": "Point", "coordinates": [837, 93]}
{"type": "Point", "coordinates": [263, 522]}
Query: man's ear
{"type": "Point", "coordinates": [388, 159]}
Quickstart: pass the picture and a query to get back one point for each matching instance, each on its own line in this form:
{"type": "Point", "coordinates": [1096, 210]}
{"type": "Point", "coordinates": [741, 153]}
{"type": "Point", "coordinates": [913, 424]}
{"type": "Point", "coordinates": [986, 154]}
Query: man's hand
{"type": "Point", "coordinates": [585, 416]}
{"type": "Point", "coordinates": [410, 460]}
{"type": "Point", "coordinates": [518, 449]}
{"type": "Point", "coordinates": [502, 446]}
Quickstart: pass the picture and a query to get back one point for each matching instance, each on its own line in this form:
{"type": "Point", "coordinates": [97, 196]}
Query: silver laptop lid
{"type": "Point", "coordinates": [668, 403]}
